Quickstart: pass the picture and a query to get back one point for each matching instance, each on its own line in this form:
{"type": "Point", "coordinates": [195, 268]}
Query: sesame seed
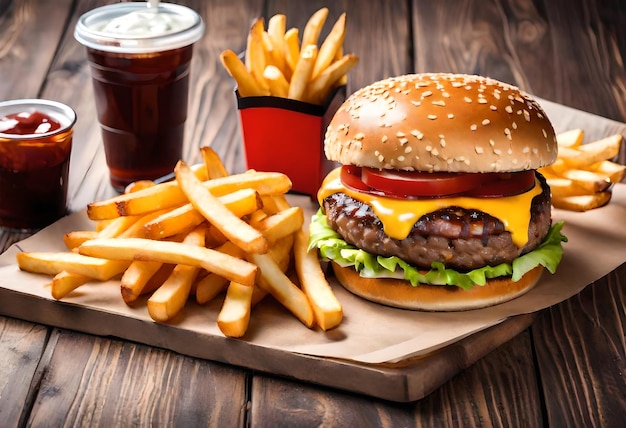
{"type": "Point", "coordinates": [482, 101]}
{"type": "Point", "coordinates": [479, 150]}
{"type": "Point", "coordinates": [514, 125]}
{"type": "Point", "coordinates": [403, 141]}
{"type": "Point", "coordinates": [492, 107]}
{"type": "Point", "coordinates": [434, 152]}
{"type": "Point", "coordinates": [432, 116]}
{"type": "Point", "coordinates": [408, 149]}
{"type": "Point", "coordinates": [439, 103]}
{"type": "Point", "coordinates": [384, 139]}
{"type": "Point", "coordinates": [486, 122]}
{"type": "Point", "coordinates": [545, 134]}
{"type": "Point", "coordinates": [508, 109]}
{"type": "Point", "coordinates": [473, 127]}
{"type": "Point", "coordinates": [426, 94]}
{"type": "Point", "coordinates": [527, 116]}
{"type": "Point", "coordinates": [359, 136]}
{"type": "Point", "coordinates": [450, 116]}
{"type": "Point", "coordinates": [400, 134]}
{"type": "Point", "coordinates": [400, 158]}
{"type": "Point", "coordinates": [416, 103]}
{"type": "Point", "coordinates": [467, 99]}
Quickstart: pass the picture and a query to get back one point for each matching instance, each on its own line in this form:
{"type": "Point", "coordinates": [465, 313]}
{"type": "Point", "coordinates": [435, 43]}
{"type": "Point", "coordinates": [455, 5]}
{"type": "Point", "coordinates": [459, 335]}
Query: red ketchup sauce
{"type": "Point", "coordinates": [27, 123]}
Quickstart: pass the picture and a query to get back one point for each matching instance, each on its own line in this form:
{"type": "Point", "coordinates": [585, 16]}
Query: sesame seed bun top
{"type": "Point", "coordinates": [441, 122]}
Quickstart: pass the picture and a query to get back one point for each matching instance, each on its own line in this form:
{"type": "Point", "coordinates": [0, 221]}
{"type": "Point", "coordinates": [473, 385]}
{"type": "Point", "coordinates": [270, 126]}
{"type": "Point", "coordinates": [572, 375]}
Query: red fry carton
{"type": "Point", "coordinates": [287, 136]}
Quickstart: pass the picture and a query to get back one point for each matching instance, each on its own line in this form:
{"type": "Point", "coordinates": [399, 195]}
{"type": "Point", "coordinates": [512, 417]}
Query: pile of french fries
{"type": "Point", "coordinates": [277, 64]}
{"type": "Point", "coordinates": [204, 234]}
{"type": "Point", "coordinates": [582, 176]}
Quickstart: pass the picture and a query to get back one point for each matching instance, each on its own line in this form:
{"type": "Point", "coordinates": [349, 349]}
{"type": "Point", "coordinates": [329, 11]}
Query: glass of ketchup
{"type": "Point", "coordinates": [35, 146]}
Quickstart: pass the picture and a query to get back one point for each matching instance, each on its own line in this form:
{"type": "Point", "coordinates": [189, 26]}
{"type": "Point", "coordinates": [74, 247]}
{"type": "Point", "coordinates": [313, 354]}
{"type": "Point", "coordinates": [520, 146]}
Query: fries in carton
{"type": "Point", "coordinates": [287, 136]}
{"type": "Point", "coordinates": [287, 92]}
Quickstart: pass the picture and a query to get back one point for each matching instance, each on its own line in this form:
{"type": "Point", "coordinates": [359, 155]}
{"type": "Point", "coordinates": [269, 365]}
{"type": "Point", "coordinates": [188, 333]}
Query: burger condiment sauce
{"type": "Point", "coordinates": [399, 215]}
{"type": "Point", "coordinates": [27, 123]}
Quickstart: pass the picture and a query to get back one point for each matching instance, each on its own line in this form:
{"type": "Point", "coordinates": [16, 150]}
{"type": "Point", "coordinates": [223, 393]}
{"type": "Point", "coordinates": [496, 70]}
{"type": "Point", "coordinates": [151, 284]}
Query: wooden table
{"type": "Point", "coordinates": [567, 369]}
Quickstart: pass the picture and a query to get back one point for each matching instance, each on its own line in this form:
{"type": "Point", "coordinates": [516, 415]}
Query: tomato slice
{"type": "Point", "coordinates": [505, 184]}
{"type": "Point", "coordinates": [416, 184]}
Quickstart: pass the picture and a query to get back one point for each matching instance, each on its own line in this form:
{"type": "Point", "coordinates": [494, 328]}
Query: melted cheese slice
{"type": "Point", "coordinates": [399, 215]}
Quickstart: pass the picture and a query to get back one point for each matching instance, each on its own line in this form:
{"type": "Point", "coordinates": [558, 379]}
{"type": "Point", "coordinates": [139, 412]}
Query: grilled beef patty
{"type": "Point", "coordinates": [461, 239]}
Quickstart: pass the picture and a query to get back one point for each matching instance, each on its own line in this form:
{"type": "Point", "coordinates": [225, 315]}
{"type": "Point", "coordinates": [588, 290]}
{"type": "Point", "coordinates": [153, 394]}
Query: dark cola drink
{"type": "Point", "coordinates": [140, 60]}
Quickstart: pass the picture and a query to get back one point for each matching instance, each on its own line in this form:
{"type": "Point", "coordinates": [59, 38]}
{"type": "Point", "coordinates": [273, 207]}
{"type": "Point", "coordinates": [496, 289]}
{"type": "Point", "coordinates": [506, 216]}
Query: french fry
{"type": "Point", "coordinates": [612, 170]}
{"type": "Point", "coordinates": [171, 252]}
{"type": "Point", "coordinates": [321, 86]}
{"type": "Point", "coordinates": [302, 73]}
{"type": "Point", "coordinates": [582, 202]}
{"type": "Point", "coordinates": [292, 48]}
{"type": "Point", "coordinates": [247, 86]}
{"type": "Point", "coordinates": [255, 54]}
{"type": "Point", "coordinates": [65, 282]}
{"type": "Point", "coordinates": [587, 154]}
{"type": "Point", "coordinates": [276, 27]}
{"type": "Point", "coordinates": [138, 185]}
{"type": "Point", "coordinates": [281, 252]}
{"type": "Point", "coordinates": [164, 195]}
{"type": "Point", "coordinates": [168, 300]}
{"type": "Point", "coordinates": [209, 287]}
{"type": "Point", "coordinates": [588, 180]}
{"type": "Point", "coordinates": [274, 281]}
{"type": "Point", "coordinates": [234, 316]}
{"type": "Point", "coordinates": [329, 47]}
{"type": "Point", "coordinates": [237, 230]}
{"type": "Point", "coordinates": [53, 263]}
{"type": "Point", "coordinates": [181, 219]}
{"type": "Point", "coordinates": [74, 238]}
{"type": "Point", "coordinates": [136, 277]}
{"type": "Point", "coordinates": [212, 163]}
{"type": "Point", "coordinates": [570, 139]}
{"type": "Point", "coordinates": [581, 177]}
{"type": "Point", "coordinates": [265, 183]}
{"type": "Point", "coordinates": [327, 309]}
{"type": "Point", "coordinates": [278, 84]}
{"type": "Point", "coordinates": [281, 224]}
{"type": "Point", "coordinates": [313, 27]}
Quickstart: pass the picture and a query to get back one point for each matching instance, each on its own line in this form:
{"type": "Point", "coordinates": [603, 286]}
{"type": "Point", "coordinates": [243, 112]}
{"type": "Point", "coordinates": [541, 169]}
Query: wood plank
{"type": "Point", "coordinates": [29, 33]}
{"type": "Point", "coordinates": [558, 56]}
{"type": "Point", "coordinates": [21, 346]}
{"type": "Point", "coordinates": [581, 355]}
{"type": "Point", "coordinates": [120, 383]}
{"type": "Point", "coordinates": [490, 390]}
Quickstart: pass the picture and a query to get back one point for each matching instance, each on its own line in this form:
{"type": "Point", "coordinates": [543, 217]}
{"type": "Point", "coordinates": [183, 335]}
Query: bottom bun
{"type": "Point", "coordinates": [401, 294]}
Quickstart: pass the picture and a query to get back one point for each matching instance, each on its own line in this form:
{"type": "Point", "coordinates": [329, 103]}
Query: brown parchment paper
{"type": "Point", "coordinates": [369, 333]}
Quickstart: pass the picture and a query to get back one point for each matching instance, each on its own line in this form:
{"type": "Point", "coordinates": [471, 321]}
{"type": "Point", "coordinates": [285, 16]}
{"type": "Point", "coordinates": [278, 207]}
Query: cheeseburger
{"type": "Point", "coordinates": [437, 204]}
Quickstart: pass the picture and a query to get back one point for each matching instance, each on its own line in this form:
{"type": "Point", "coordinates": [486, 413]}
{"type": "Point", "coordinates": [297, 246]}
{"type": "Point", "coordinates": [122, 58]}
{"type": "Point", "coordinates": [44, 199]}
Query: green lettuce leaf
{"type": "Point", "coordinates": [332, 247]}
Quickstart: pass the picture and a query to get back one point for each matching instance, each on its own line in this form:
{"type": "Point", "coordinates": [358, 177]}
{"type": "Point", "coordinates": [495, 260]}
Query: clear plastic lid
{"type": "Point", "coordinates": [137, 28]}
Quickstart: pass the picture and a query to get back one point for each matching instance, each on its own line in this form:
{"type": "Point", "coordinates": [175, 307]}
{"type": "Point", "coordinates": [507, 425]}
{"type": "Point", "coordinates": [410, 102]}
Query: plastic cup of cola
{"type": "Point", "coordinates": [140, 64]}
{"type": "Point", "coordinates": [35, 147]}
